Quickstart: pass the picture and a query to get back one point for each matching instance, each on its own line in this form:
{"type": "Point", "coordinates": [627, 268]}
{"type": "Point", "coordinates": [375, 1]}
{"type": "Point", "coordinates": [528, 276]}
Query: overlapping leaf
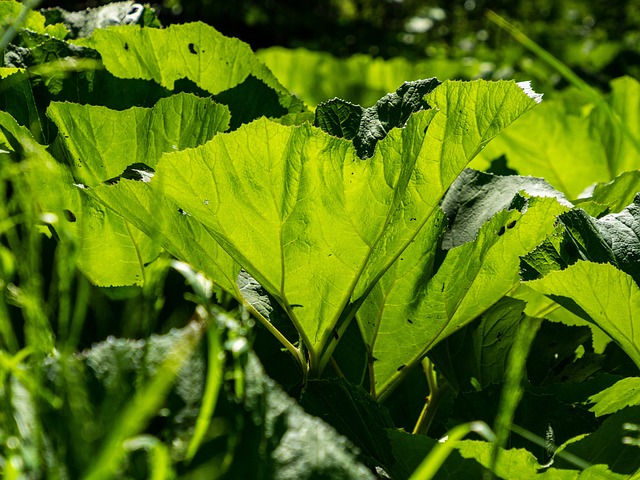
{"type": "Point", "coordinates": [366, 126]}
{"type": "Point", "coordinates": [101, 144]}
{"type": "Point", "coordinates": [614, 238]}
{"type": "Point", "coordinates": [359, 79]}
{"type": "Point", "coordinates": [476, 196]}
{"type": "Point", "coordinates": [601, 293]}
{"type": "Point", "coordinates": [195, 51]}
{"type": "Point", "coordinates": [315, 225]}
{"type": "Point", "coordinates": [574, 143]}
{"type": "Point", "coordinates": [416, 310]}
{"type": "Point", "coordinates": [476, 356]}
{"type": "Point", "coordinates": [622, 394]}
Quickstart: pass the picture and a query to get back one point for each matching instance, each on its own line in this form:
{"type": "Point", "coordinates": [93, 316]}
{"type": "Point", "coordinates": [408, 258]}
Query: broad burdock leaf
{"type": "Point", "coordinates": [602, 294]}
{"type": "Point", "coordinates": [417, 308]}
{"type": "Point", "coordinates": [194, 51]}
{"type": "Point", "coordinates": [100, 144]}
{"type": "Point", "coordinates": [165, 222]}
{"type": "Point", "coordinates": [359, 79]}
{"type": "Point", "coordinates": [316, 226]}
{"type": "Point", "coordinates": [577, 142]}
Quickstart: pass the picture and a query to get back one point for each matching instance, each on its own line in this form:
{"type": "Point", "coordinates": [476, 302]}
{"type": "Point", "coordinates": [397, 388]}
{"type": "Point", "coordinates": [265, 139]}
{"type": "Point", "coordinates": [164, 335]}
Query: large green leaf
{"type": "Point", "coordinates": [575, 147]}
{"type": "Point", "coordinates": [414, 311]}
{"type": "Point", "coordinates": [165, 222]}
{"type": "Point", "coordinates": [194, 51]}
{"type": "Point", "coordinates": [100, 144]}
{"type": "Point", "coordinates": [602, 294]}
{"type": "Point", "coordinates": [315, 225]}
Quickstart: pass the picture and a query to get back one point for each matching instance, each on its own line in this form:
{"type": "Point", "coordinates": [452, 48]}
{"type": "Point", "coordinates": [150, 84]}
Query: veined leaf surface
{"type": "Point", "coordinates": [574, 148]}
{"type": "Point", "coordinates": [315, 225]}
{"type": "Point", "coordinates": [601, 293]}
{"type": "Point", "coordinates": [100, 144]}
{"type": "Point", "coordinates": [416, 310]}
{"type": "Point", "coordinates": [194, 51]}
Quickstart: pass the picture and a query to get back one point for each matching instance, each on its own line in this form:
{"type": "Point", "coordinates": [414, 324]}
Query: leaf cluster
{"type": "Point", "coordinates": [180, 232]}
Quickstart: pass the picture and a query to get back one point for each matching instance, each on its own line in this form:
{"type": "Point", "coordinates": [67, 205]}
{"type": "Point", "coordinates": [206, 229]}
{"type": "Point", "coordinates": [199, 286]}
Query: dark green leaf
{"type": "Point", "coordinates": [353, 413]}
{"type": "Point", "coordinates": [367, 126]}
{"type": "Point", "coordinates": [476, 355]}
{"type": "Point", "coordinates": [409, 450]}
{"type": "Point", "coordinates": [282, 441]}
{"type": "Point", "coordinates": [476, 196]}
{"type": "Point", "coordinates": [605, 446]}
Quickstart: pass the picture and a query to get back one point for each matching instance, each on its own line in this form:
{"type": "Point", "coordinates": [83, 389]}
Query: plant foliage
{"type": "Point", "coordinates": [177, 227]}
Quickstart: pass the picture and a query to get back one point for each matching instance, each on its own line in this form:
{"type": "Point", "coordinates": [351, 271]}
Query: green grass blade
{"type": "Point", "coordinates": [212, 387]}
{"type": "Point", "coordinates": [512, 391]}
{"type": "Point", "coordinates": [159, 457]}
{"type": "Point", "coordinates": [144, 405]}
{"type": "Point", "coordinates": [432, 462]}
{"type": "Point", "coordinates": [566, 73]}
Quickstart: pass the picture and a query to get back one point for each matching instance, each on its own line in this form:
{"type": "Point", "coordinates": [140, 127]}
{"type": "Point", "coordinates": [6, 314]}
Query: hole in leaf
{"type": "Point", "coordinates": [401, 367]}
{"type": "Point", "coordinates": [511, 224]}
{"type": "Point", "coordinates": [126, 46]}
{"type": "Point", "coordinates": [501, 231]}
{"type": "Point", "coordinates": [410, 321]}
{"type": "Point", "coordinates": [192, 49]}
{"type": "Point", "coordinates": [69, 215]}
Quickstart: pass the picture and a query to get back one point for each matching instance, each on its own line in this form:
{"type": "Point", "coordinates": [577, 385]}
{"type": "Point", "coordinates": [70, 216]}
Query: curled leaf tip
{"type": "Point", "coordinates": [526, 88]}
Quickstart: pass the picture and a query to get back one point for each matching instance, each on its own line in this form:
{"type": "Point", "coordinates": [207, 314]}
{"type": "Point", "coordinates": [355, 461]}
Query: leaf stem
{"type": "Point", "coordinates": [280, 337]}
{"type": "Point", "coordinates": [432, 402]}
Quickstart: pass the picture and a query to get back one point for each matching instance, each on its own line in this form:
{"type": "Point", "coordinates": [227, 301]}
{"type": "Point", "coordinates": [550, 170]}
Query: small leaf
{"type": "Point", "coordinates": [625, 393]}
{"type": "Point", "coordinates": [476, 196]}
{"type": "Point", "coordinates": [600, 293]}
{"type": "Point", "coordinates": [367, 126]}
